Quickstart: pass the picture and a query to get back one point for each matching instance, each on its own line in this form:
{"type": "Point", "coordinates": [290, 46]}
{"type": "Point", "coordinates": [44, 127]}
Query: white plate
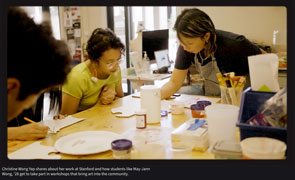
{"type": "Point", "coordinates": [86, 142]}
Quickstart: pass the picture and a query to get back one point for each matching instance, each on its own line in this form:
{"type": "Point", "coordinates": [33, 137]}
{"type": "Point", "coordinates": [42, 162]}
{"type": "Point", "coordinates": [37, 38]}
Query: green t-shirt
{"type": "Point", "coordinates": [80, 85]}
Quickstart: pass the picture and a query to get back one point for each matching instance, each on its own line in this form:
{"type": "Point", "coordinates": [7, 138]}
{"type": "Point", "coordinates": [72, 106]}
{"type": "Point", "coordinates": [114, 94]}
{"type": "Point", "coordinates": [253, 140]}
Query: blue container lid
{"type": "Point", "coordinates": [121, 144]}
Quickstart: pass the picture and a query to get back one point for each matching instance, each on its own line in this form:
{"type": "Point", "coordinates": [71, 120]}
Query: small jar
{"type": "Point", "coordinates": [177, 108]}
{"type": "Point", "coordinates": [140, 116]}
{"type": "Point", "coordinates": [121, 148]}
{"type": "Point", "coordinates": [197, 111]}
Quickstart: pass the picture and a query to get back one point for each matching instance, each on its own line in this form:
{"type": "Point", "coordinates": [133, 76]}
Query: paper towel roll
{"type": "Point", "coordinates": [150, 99]}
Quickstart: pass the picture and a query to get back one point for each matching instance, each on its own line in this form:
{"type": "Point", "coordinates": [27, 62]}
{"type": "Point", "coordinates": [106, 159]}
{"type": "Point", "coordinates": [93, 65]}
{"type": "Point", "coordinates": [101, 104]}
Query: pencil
{"type": "Point", "coordinates": [29, 120]}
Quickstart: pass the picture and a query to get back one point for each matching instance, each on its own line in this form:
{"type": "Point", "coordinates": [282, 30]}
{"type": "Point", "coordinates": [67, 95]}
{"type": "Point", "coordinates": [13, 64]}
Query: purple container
{"type": "Point", "coordinates": [197, 111]}
{"type": "Point", "coordinates": [121, 144]}
{"type": "Point", "coordinates": [203, 104]}
{"type": "Point", "coordinates": [197, 107]}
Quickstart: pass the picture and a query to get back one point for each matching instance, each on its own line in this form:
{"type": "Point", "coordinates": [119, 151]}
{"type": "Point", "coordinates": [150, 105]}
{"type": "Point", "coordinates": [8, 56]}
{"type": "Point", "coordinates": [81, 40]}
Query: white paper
{"type": "Point", "coordinates": [263, 70]}
{"type": "Point", "coordinates": [56, 125]}
{"type": "Point", "coordinates": [68, 19]}
{"type": "Point", "coordinates": [77, 33]}
{"type": "Point", "coordinates": [34, 151]}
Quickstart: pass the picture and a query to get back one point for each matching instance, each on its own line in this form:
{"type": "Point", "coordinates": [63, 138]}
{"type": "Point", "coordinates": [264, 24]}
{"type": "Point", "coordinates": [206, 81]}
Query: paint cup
{"type": "Point", "coordinates": [177, 108]}
{"type": "Point", "coordinates": [263, 148]}
{"type": "Point", "coordinates": [222, 120]}
{"type": "Point", "coordinates": [197, 111]}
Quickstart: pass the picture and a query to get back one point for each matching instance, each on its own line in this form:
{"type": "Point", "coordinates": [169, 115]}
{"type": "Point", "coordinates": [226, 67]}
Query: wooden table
{"type": "Point", "coordinates": [99, 117]}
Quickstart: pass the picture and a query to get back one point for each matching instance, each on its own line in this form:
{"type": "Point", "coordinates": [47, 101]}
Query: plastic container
{"type": "Point", "coordinates": [121, 148]}
{"type": "Point", "coordinates": [250, 102]}
{"type": "Point", "coordinates": [177, 108]}
{"type": "Point", "coordinates": [222, 119]}
{"type": "Point", "coordinates": [197, 111]}
{"type": "Point", "coordinates": [150, 99]}
{"type": "Point", "coordinates": [263, 148]}
{"type": "Point", "coordinates": [227, 150]}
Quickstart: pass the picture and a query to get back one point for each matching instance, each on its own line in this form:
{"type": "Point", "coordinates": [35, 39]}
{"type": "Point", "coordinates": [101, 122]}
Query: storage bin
{"type": "Point", "coordinates": [250, 102]}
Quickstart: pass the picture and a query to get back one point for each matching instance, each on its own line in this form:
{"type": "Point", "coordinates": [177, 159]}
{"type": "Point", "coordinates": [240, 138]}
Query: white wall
{"type": "Point", "coordinates": [256, 23]}
{"type": "Point", "coordinates": [91, 18]}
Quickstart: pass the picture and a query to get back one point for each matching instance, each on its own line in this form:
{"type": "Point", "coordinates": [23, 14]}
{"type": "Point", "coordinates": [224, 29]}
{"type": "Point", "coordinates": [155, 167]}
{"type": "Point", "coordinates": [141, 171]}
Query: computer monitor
{"type": "Point", "coordinates": [154, 41]}
{"type": "Point", "coordinates": [162, 58]}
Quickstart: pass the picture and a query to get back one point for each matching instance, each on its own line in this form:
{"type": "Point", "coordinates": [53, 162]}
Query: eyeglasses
{"type": "Point", "coordinates": [112, 64]}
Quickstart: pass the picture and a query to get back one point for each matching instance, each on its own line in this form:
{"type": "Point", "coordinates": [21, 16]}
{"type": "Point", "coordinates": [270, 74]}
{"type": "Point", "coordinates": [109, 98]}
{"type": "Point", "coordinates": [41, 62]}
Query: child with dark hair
{"type": "Point", "coordinates": [96, 79]}
{"type": "Point", "coordinates": [36, 61]}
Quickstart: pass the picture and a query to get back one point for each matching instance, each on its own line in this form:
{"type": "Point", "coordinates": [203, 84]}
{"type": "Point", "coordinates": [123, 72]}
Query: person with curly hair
{"type": "Point", "coordinates": [97, 79]}
{"type": "Point", "coordinates": [36, 61]}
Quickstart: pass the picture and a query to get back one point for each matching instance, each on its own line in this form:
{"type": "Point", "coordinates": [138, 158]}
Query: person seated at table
{"type": "Point", "coordinates": [209, 50]}
{"type": "Point", "coordinates": [96, 79]}
{"type": "Point", "coordinates": [35, 62]}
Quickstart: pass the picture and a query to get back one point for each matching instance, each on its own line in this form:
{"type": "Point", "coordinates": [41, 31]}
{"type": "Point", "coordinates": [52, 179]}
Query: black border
{"type": "Point", "coordinates": [170, 169]}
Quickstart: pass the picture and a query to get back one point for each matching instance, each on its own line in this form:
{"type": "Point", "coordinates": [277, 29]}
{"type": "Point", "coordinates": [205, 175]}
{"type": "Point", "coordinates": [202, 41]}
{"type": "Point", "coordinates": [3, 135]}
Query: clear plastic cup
{"type": "Point", "coordinates": [222, 120]}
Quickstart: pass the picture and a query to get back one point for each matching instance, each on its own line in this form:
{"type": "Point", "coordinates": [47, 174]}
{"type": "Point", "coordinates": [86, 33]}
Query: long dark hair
{"type": "Point", "coordinates": [193, 23]}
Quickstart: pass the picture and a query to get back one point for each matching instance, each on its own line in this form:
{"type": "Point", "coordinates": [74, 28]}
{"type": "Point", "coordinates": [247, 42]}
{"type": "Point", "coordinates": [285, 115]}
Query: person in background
{"type": "Point", "coordinates": [96, 79]}
{"type": "Point", "coordinates": [209, 50]}
{"type": "Point", "coordinates": [36, 61]}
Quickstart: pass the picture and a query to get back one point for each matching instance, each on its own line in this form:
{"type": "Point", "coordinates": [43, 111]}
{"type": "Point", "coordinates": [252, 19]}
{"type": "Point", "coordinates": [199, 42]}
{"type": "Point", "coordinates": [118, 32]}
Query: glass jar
{"type": "Point", "coordinates": [121, 148]}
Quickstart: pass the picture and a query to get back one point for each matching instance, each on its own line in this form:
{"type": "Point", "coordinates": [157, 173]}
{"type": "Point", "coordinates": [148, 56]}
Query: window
{"type": "Point", "coordinates": [37, 13]}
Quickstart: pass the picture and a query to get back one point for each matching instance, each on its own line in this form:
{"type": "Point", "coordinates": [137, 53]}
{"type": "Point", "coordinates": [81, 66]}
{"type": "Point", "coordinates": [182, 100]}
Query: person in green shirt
{"type": "Point", "coordinates": [97, 79]}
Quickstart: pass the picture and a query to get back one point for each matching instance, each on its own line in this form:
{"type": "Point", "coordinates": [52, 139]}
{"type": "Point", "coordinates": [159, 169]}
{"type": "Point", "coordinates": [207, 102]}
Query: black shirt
{"type": "Point", "coordinates": [231, 54]}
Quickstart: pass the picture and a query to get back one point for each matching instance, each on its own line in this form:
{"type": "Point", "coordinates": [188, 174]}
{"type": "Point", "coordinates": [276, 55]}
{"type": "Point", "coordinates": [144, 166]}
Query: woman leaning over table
{"type": "Point", "coordinates": [209, 50]}
{"type": "Point", "coordinates": [96, 79]}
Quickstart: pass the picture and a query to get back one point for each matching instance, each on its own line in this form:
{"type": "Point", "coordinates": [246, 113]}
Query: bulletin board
{"type": "Point", "coordinates": [72, 25]}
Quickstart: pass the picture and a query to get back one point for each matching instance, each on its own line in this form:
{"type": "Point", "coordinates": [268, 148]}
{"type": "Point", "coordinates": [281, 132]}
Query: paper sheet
{"type": "Point", "coordinates": [56, 125]}
{"type": "Point", "coordinates": [34, 151]}
{"type": "Point", "coordinates": [263, 70]}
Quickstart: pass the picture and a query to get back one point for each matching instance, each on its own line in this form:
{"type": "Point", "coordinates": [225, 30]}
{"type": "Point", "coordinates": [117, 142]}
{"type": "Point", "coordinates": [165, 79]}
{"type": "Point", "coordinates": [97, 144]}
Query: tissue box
{"type": "Point", "coordinates": [250, 102]}
{"type": "Point", "coordinates": [191, 134]}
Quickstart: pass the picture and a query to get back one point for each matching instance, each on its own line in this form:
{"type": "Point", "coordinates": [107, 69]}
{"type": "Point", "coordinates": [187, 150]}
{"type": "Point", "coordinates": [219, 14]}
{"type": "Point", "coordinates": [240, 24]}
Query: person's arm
{"type": "Point", "coordinates": [119, 90]}
{"type": "Point", "coordinates": [107, 95]}
{"type": "Point", "coordinates": [174, 83]}
{"type": "Point", "coordinates": [27, 132]}
{"type": "Point", "coordinates": [69, 104]}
